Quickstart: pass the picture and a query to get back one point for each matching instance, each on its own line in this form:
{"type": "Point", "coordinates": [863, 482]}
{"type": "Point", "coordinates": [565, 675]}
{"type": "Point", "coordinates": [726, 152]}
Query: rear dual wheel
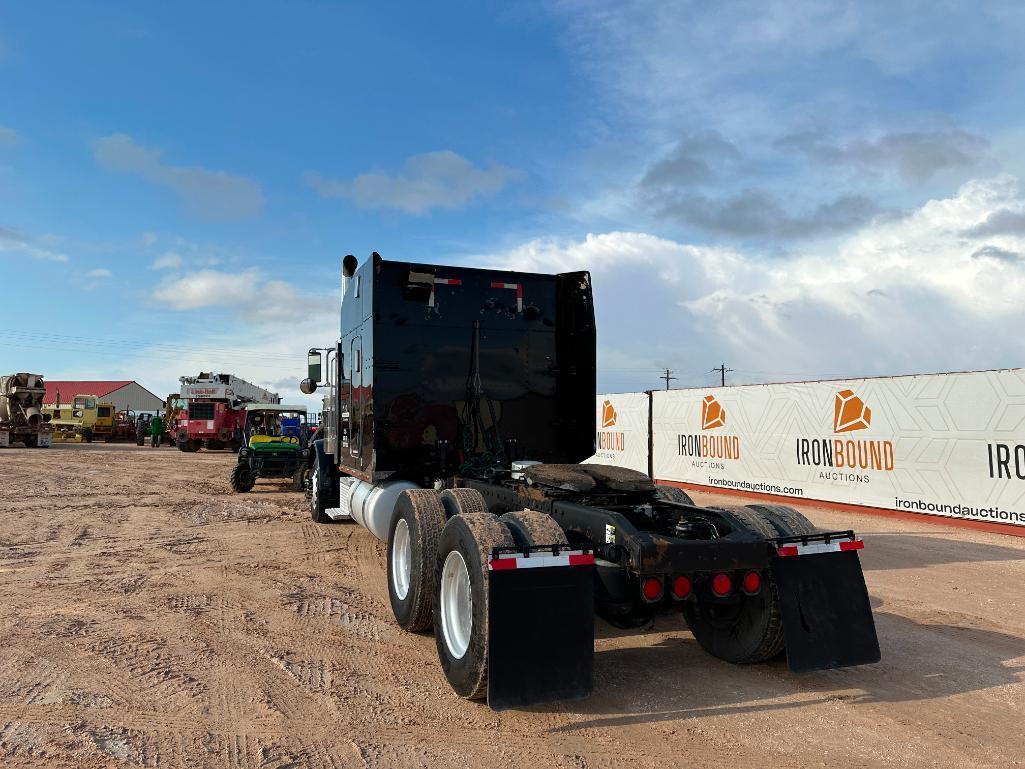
{"type": "Point", "coordinates": [413, 537]}
{"type": "Point", "coordinates": [461, 614]}
{"type": "Point", "coordinates": [438, 572]}
{"type": "Point", "coordinates": [674, 494]}
{"type": "Point", "coordinates": [747, 628]}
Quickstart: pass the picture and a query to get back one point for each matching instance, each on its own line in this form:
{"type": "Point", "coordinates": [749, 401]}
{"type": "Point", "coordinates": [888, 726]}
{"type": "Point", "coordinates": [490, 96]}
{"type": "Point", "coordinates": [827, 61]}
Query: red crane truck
{"type": "Point", "coordinates": [213, 410]}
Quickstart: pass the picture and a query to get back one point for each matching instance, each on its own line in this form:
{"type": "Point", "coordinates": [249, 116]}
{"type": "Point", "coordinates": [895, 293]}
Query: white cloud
{"type": "Point", "coordinates": [206, 193]}
{"type": "Point", "coordinates": [209, 288]}
{"type": "Point", "coordinates": [99, 272]}
{"type": "Point", "coordinates": [9, 136]}
{"type": "Point", "coordinates": [167, 261]}
{"type": "Point", "coordinates": [908, 295]}
{"type": "Point", "coordinates": [432, 180]}
{"type": "Point", "coordinates": [248, 293]}
{"type": "Point", "coordinates": [14, 242]}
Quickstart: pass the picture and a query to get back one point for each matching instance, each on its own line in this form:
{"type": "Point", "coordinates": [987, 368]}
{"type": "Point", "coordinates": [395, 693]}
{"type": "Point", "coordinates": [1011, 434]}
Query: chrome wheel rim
{"type": "Point", "coordinates": [401, 559]}
{"type": "Point", "coordinates": [315, 491]}
{"type": "Point", "coordinates": [456, 605]}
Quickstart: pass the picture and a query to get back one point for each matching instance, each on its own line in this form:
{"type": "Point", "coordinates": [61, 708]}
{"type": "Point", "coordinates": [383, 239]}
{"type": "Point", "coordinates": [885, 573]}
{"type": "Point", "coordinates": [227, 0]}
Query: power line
{"type": "Point", "coordinates": [722, 370]}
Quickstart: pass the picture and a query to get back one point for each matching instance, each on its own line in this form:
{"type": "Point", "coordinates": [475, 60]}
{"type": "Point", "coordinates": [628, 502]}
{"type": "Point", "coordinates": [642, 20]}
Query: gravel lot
{"type": "Point", "coordinates": [150, 617]}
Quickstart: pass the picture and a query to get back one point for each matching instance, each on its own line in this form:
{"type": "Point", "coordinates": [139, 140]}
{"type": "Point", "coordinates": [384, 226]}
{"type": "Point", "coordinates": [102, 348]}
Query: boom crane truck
{"type": "Point", "coordinates": [212, 411]}
{"type": "Point", "coordinates": [458, 413]}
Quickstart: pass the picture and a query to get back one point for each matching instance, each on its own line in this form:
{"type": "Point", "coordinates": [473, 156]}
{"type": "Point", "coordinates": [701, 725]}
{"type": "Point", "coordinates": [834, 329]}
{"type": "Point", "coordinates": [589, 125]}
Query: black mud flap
{"type": "Point", "coordinates": [540, 628]}
{"type": "Point", "coordinates": [827, 618]}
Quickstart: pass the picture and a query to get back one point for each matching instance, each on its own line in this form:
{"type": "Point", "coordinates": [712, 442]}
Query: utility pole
{"type": "Point", "coordinates": [667, 376]}
{"type": "Point", "coordinates": [723, 371]}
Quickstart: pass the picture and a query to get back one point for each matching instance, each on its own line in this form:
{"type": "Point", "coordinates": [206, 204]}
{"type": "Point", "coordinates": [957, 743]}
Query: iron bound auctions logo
{"type": "Point", "coordinates": [608, 414]}
{"type": "Point", "coordinates": [609, 440]}
{"type": "Point", "coordinates": [702, 446]}
{"type": "Point", "coordinates": [712, 413]}
{"type": "Point", "coordinates": [850, 414]}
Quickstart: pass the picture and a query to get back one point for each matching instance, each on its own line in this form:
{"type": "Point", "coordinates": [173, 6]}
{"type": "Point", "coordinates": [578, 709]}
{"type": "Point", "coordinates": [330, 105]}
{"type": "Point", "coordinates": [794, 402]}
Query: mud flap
{"type": "Point", "coordinates": [540, 627]}
{"type": "Point", "coordinates": [827, 618]}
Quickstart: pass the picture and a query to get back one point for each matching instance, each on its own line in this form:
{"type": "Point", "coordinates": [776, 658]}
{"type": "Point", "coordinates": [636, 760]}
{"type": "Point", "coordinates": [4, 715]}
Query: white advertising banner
{"type": "Point", "coordinates": [622, 431]}
{"type": "Point", "coordinates": [941, 444]}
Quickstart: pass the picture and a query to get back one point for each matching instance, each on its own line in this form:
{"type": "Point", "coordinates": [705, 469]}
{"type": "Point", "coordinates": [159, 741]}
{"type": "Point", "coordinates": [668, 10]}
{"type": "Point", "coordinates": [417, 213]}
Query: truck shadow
{"type": "Point", "coordinates": [912, 551]}
{"type": "Point", "coordinates": [675, 679]}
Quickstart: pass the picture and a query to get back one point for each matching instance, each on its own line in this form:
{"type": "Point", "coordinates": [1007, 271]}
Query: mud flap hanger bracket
{"type": "Point", "coordinates": [820, 542]}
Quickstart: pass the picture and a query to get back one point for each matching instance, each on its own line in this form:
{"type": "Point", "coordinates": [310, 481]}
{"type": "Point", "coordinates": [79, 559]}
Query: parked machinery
{"type": "Point", "coordinates": [21, 411]}
{"type": "Point", "coordinates": [83, 420]}
{"type": "Point", "coordinates": [459, 405]}
{"type": "Point", "coordinates": [125, 424]}
{"type": "Point", "coordinates": [276, 445]}
{"type": "Point", "coordinates": [212, 413]}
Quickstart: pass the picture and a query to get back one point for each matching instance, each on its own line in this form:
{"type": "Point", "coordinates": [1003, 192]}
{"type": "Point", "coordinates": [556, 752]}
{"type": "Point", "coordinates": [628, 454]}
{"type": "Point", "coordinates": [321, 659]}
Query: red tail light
{"type": "Point", "coordinates": [651, 588]}
{"type": "Point", "coordinates": [722, 584]}
{"type": "Point", "coordinates": [681, 588]}
{"type": "Point", "coordinates": [752, 582]}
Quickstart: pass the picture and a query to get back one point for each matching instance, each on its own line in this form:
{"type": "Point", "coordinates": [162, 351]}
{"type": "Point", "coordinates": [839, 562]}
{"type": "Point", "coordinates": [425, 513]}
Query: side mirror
{"type": "Point", "coordinates": [313, 365]}
{"type": "Point", "coordinates": [308, 386]}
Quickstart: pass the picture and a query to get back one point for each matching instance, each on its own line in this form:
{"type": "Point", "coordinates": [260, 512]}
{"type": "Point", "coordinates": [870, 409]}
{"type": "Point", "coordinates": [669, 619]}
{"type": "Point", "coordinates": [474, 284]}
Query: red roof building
{"type": "Point", "coordinates": [124, 394]}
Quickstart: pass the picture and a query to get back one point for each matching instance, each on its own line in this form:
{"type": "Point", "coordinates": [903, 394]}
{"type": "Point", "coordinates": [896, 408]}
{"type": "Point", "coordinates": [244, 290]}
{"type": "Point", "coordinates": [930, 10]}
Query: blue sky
{"type": "Point", "coordinates": [797, 188]}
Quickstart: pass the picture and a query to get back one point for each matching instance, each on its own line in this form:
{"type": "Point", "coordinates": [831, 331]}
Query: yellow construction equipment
{"type": "Point", "coordinates": [82, 420]}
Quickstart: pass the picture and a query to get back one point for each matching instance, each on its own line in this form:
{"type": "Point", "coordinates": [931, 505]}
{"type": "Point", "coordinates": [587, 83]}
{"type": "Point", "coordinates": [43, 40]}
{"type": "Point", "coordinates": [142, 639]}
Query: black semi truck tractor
{"type": "Point", "coordinates": [458, 417]}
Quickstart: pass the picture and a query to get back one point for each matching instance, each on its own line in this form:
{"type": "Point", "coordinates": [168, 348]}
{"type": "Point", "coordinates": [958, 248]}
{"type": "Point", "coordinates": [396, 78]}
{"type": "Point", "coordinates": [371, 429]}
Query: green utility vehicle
{"type": "Point", "coordinates": [274, 445]}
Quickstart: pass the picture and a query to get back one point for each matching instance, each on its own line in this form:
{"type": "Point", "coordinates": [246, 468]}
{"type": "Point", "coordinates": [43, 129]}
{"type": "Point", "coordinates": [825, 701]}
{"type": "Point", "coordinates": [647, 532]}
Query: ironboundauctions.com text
{"type": "Point", "coordinates": [967, 511]}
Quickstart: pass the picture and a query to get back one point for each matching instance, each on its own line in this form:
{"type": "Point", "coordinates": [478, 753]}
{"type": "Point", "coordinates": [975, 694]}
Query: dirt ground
{"type": "Point", "coordinates": [150, 617]}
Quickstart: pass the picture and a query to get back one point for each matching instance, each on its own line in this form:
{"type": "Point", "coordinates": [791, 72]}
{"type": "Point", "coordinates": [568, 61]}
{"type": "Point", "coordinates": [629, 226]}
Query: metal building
{"type": "Point", "coordinates": [123, 394]}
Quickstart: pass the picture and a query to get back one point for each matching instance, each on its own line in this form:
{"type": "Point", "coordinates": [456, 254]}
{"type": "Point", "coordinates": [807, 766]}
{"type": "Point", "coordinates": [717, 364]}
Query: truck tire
{"type": "Point", "coordinates": [31, 441]}
{"type": "Point", "coordinates": [462, 501]}
{"type": "Point", "coordinates": [413, 538]}
{"type": "Point", "coordinates": [461, 599]}
{"type": "Point", "coordinates": [319, 500]}
{"type": "Point", "coordinates": [785, 520]}
{"type": "Point", "coordinates": [673, 494]}
{"type": "Point", "coordinates": [751, 629]}
{"type": "Point", "coordinates": [88, 435]}
{"type": "Point", "coordinates": [299, 478]}
{"type": "Point", "coordinates": [186, 445]}
{"type": "Point", "coordinates": [214, 445]}
{"type": "Point", "coordinates": [530, 527]}
{"type": "Point", "coordinates": [242, 479]}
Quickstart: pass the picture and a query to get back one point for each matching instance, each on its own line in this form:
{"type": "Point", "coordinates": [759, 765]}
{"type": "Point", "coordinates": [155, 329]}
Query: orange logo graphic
{"type": "Point", "coordinates": [712, 414]}
{"type": "Point", "coordinates": [850, 413]}
{"type": "Point", "coordinates": [608, 415]}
